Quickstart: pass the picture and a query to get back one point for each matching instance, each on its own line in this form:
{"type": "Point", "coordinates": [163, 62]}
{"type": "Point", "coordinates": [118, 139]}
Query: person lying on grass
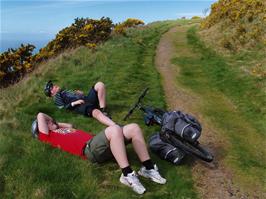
{"type": "Point", "coordinates": [91, 105]}
{"type": "Point", "coordinates": [109, 143]}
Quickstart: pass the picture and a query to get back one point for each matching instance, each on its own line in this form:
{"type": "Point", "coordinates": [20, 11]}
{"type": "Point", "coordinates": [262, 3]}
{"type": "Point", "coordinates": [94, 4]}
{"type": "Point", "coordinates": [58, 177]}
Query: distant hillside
{"type": "Point", "coordinates": [236, 24]}
{"type": "Point", "coordinates": [15, 63]}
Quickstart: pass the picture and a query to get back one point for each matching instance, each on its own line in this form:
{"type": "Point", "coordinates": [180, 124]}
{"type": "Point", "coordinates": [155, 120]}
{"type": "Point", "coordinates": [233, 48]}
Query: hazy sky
{"type": "Point", "coordinates": [34, 20]}
{"type": "Point", "coordinates": [49, 16]}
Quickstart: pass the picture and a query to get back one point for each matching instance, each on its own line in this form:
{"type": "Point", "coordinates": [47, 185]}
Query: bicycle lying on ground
{"type": "Point", "coordinates": [189, 144]}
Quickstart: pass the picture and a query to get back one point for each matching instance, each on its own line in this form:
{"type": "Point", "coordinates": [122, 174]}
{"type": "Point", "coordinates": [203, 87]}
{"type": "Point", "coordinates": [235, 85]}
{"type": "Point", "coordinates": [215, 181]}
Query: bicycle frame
{"type": "Point", "coordinates": [155, 116]}
{"type": "Point", "coordinates": [151, 115]}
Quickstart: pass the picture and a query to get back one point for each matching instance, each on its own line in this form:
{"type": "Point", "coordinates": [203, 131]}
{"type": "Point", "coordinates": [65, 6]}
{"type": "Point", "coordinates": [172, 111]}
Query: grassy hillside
{"type": "Point", "coordinates": [230, 94]}
{"type": "Point", "coordinates": [30, 169]}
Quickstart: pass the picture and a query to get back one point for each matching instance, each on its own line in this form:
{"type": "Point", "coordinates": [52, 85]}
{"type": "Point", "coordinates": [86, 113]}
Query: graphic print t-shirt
{"type": "Point", "coordinates": [66, 140]}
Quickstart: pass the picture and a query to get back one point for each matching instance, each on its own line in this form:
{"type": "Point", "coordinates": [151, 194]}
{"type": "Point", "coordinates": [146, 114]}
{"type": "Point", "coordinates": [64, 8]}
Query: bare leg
{"type": "Point", "coordinates": [100, 88]}
{"type": "Point", "coordinates": [115, 136]}
{"type": "Point", "coordinates": [97, 114]}
{"type": "Point", "coordinates": [133, 132]}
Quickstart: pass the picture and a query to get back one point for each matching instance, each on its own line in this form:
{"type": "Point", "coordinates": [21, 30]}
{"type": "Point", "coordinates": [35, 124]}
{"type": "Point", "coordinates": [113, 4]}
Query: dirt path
{"type": "Point", "coordinates": [212, 180]}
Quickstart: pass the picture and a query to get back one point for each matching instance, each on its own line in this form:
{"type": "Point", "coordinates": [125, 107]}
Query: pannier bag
{"type": "Point", "coordinates": [184, 125]}
{"type": "Point", "coordinates": [165, 150]}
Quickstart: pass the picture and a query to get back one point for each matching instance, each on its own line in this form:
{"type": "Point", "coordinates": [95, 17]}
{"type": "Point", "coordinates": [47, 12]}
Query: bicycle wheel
{"type": "Point", "coordinates": [192, 148]}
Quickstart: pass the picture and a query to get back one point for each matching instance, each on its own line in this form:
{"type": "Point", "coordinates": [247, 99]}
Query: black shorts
{"type": "Point", "coordinates": [91, 103]}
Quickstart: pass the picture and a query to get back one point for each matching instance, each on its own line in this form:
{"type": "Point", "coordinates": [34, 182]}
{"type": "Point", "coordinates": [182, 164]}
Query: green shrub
{"type": "Point", "coordinates": [120, 28]}
{"type": "Point", "coordinates": [196, 17]}
{"type": "Point", "coordinates": [241, 21]}
{"type": "Point", "coordinates": [14, 63]}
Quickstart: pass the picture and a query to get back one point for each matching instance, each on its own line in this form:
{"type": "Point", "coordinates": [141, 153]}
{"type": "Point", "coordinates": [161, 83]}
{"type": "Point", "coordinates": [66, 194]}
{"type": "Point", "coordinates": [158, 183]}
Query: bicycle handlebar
{"type": "Point", "coordinates": [136, 104]}
{"type": "Point", "coordinates": [143, 95]}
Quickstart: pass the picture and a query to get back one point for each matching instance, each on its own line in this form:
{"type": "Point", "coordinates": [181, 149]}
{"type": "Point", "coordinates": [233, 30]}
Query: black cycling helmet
{"type": "Point", "coordinates": [34, 129]}
{"type": "Point", "coordinates": [48, 87]}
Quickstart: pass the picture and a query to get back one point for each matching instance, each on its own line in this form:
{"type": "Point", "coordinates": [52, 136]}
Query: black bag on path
{"type": "Point", "coordinates": [184, 125]}
{"type": "Point", "coordinates": [165, 150]}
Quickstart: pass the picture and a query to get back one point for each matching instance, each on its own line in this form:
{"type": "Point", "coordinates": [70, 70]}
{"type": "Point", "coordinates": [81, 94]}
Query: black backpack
{"type": "Point", "coordinates": [184, 125]}
{"type": "Point", "coordinates": [165, 150]}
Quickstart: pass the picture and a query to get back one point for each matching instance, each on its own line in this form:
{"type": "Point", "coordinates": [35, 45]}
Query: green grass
{"type": "Point", "coordinates": [31, 169]}
{"type": "Point", "coordinates": [234, 103]}
{"type": "Point", "coordinates": [243, 89]}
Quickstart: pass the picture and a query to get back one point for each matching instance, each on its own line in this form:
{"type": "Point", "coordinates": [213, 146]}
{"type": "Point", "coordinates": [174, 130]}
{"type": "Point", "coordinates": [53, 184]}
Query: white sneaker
{"type": "Point", "coordinates": [132, 181]}
{"type": "Point", "coordinates": [153, 174]}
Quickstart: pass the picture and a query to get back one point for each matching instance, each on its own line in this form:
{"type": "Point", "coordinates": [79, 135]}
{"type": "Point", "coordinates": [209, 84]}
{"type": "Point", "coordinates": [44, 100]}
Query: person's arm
{"type": "Point", "coordinates": [65, 125]}
{"type": "Point", "coordinates": [60, 103]}
{"type": "Point", "coordinates": [43, 123]}
{"type": "Point", "coordinates": [79, 92]}
{"type": "Point", "coordinates": [78, 102]}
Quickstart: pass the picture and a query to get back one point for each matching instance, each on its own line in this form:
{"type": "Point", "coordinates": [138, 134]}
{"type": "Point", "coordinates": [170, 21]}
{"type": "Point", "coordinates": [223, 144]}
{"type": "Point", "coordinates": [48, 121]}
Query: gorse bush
{"type": "Point", "coordinates": [234, 10]}
{"type": "Point", "coordinates": [14, 63]}
{"type": "Point", "coordinates": [83, 32]}
{"type": "Point", "coordinates": [242, 23]}
{"type": "Point", "coordinates": [130, 22]}
{"type": "Point", "coordinates": [120, 28]}
{"type": "Point", "coordinates": [196, 17]}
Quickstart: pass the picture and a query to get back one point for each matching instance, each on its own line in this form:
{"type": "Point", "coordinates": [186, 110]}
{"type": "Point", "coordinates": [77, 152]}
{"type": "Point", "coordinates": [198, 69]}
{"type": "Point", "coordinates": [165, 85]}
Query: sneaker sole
{"type": "Point", "coordinates": [127, 184]}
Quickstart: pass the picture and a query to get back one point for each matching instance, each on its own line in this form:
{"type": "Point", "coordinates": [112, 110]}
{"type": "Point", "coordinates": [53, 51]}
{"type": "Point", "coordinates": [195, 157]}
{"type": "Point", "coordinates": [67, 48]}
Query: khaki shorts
{"type": "Point", "coordinates": [98, 149]}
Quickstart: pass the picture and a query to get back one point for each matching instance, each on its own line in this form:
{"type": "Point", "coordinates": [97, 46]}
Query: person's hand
{"type": "Point", "coordinates": [79, 92]}
{"type": "Point", "coordinates": [78, 102]}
